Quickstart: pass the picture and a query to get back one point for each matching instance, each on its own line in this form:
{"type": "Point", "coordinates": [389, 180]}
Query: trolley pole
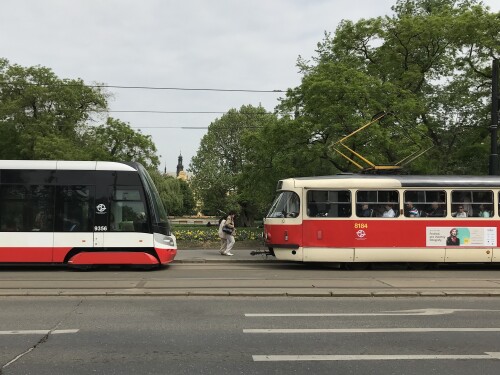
{"type": "Point", "coordinates": [495, 98]}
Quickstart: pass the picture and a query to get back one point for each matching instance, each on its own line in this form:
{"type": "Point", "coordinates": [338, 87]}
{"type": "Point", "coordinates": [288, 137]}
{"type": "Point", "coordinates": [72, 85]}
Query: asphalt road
{"type": "Point", "coordinates": [252, 335]}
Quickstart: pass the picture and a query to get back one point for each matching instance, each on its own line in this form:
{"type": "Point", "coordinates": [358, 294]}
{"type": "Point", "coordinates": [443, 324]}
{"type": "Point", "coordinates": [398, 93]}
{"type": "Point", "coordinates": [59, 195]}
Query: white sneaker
{"type": "Point", "coordinates": [229, 254]}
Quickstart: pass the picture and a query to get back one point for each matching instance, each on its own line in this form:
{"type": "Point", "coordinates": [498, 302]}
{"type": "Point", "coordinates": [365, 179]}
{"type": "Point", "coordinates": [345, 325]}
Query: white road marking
{"type": "Point", "coordinates": [385, 313]}
{"type": "Point", "coordinates": [39, 332]}
{"type": "Point", "coordinates": [348, 357]}
{"type": "Point", "coordinates": [368, 330]}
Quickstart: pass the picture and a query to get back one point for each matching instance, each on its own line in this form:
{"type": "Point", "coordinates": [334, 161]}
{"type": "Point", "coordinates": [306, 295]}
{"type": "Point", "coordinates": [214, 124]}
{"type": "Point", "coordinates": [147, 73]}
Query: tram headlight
{"type": "Point", "coordinates": [169, 241]}
{"type": "Point", "coordinates": [166, 240]}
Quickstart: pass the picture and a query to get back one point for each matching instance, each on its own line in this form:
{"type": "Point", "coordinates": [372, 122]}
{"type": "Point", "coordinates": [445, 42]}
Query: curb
{"type": "Point", "coordinates": [241, 293]}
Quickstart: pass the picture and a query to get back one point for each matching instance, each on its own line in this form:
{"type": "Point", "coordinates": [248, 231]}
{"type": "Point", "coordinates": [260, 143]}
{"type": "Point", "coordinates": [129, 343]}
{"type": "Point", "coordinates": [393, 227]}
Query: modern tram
{"type": "Point", "coordinates": [82, 213]}
{"type": "Point", "coordinates": [361, 219]}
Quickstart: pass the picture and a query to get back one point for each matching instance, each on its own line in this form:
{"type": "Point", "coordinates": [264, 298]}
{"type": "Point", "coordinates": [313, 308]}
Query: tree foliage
{"type": "Point", "coordinates": [428, 64]}
{"type": "Point", "coordinates": [220, 161]}
{"type": "Point", "coordinates": [46, 117]}
{"type": "Point", "coordinates": [117, 141]}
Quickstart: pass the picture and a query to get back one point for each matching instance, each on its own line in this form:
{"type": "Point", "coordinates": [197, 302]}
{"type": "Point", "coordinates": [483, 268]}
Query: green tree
{"type": "Point", "coordinates": [428, 63]}
{"type": "Point", "coordinates": [117, 141]}
{"type": "Point", "coordinates": [176, 195]}
{"type": "Point", "coordinates": [220, 160]}
{"type": "Point", "coordinates": [169, 190]}
{"type": "Point", "coordinates": [188, 202]}
{"type": "Point", "coordinates": [43, 116]}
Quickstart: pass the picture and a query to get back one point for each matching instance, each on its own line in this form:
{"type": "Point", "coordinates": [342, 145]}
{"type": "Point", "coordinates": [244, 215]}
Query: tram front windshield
{"type": "Point", "coordinates": [159, 214]}
{"type": "Point", "coordinates": [286, 204]}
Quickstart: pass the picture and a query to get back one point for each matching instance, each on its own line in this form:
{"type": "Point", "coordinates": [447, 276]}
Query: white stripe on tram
{"type": "Point", "coordinates": [367, 330]}
{"type": "Point", "coordinates": [39, 332]}
{"type": "Point", "coordinates": [349, 357]}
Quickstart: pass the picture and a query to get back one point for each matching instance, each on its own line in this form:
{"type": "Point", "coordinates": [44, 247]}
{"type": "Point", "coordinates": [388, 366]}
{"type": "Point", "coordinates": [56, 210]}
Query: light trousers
{"type": "Point", "coordinates": [230, 242]}
{"type": "Point", "coordinates": [223, 245]}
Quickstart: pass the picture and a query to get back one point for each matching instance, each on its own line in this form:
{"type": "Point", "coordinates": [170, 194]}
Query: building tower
{"type": "Point", "coordinates": [180, 167]}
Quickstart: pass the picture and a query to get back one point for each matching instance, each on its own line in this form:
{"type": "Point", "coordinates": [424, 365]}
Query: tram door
{"type": "Point", "coordinates": [75, 212]}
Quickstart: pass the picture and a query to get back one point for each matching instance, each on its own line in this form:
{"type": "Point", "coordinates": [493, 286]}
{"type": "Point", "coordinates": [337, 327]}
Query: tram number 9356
{"type": "Point", "coordinates": [100, 228]}
{"type": "Point", "coordinates": [360, 225]}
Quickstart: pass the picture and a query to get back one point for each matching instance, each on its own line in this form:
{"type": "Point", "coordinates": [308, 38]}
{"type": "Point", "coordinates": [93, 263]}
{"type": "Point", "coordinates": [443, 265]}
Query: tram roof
{"type": "Point", "coordinates": [393, 181]}
{"type": "Point", "coordinates": [67, 165]}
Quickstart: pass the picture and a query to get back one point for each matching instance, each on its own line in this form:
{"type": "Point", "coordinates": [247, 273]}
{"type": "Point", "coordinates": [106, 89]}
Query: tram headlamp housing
{"type": "Point", "coordinates": [166, 240]}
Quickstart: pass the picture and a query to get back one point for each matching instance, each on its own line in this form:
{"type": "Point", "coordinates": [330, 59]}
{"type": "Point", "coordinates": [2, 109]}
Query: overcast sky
{"type": "Point", "coordinates": [199, 44]}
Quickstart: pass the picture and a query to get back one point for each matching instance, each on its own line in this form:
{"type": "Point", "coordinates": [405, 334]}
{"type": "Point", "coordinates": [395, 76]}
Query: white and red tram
{"type": "Point", "coordinates": [352, 218]}
{"type": "Point", "coordinates": [81, 213]}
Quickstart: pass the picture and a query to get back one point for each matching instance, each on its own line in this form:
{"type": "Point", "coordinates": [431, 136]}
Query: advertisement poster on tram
{"type": "Point", "coordinates": [461, 236]}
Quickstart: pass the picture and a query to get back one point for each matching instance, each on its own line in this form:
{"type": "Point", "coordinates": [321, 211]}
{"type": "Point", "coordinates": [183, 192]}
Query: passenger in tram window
{"type": "Point", "coordinates": [467, 206]}
{"type": "Point", "coordinates": [40, 222]}
{"type": "Point", "coordinates": [365, 211]}
{"type": "Point", "coordinates": [379, 211]}
{"type": "Point", "coordinates": [312, 209]}
{"type": "Point", "coordinates": [453, 240]}
{"type": "Point", "coordinates": [483, 212]}
{"type": "Point", "coordinates": [411, 210]}
{"type": "Point", "coordinates": [389, 212]}
{"type": "Point", "coordinates": [461, 212]}
{"type": "Point", "coordinates": [435, 211]}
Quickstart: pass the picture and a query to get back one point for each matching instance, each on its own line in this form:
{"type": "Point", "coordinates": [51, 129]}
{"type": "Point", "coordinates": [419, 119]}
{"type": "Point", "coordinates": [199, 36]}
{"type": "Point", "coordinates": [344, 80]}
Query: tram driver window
{"type": "Point", "coordinates": [286, 204]}
{"type": "Point", "coordinates": [329, 203]}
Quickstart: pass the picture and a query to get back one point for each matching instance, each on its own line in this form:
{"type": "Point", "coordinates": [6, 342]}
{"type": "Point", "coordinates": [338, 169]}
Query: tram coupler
{"type": "Point", "coordinates": [262, 252]}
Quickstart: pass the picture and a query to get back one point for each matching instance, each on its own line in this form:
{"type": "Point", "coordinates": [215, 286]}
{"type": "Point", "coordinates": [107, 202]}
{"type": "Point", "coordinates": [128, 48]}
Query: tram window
{"type": "Point", "coordinates": [472, 203]}
{"type": "Point", "coordinates": [286, 204]}
{"type": "Point", "coordinates": [75, 213]}
{"type": "Point", "coordinates": [128, 213]}
{"type": "Point", "coordinates": [26, 208]}
{"type": "Point", "coordinates": [378, 203]}
{"type": "Point", "coordinates": [425, 203]}
{"type": "Point", "coordinates": [329, 203]}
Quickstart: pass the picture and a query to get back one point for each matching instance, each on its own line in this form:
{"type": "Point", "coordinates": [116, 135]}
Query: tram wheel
{"type": "Point", "coordinates": [357, 266]}
{"type": "Point", "coordinates": [418, 266]}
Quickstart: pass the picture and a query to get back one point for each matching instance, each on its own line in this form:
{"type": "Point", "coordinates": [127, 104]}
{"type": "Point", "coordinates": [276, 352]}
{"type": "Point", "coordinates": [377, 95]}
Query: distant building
{"type": "Point", "coordinates": [181, 174]}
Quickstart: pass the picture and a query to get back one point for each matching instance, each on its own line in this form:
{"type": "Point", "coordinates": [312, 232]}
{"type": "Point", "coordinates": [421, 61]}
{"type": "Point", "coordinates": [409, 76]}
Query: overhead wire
{"type": "Point", "coordinates": [4, 83]}
{"type": "Point", "coordinates": [152, 87]}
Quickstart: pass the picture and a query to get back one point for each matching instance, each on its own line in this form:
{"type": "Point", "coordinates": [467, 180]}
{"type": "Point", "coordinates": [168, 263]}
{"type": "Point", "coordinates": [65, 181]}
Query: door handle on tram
{"type": "Point", "coordinates": [286, 235]}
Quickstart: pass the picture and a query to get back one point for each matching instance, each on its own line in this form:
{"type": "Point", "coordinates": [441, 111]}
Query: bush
{"type": "Point", "coordinates": [204, 234]}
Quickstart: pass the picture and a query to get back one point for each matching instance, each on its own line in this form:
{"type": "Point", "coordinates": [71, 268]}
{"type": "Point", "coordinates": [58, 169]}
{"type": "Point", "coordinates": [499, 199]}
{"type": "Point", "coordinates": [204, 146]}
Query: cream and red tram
{"type": "Point", "coordinates": [347, 218]}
